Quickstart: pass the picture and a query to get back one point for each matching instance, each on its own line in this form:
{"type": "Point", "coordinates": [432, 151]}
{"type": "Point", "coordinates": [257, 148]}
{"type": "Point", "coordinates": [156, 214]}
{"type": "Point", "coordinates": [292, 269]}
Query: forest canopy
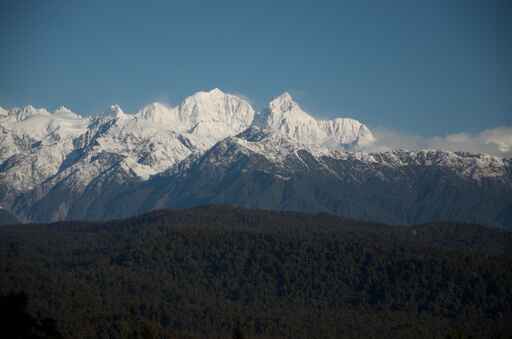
{"type": "Point", "coordinates": [224, 272]}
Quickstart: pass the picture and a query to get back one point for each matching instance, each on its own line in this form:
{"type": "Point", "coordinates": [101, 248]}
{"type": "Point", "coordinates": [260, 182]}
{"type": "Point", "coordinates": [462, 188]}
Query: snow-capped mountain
{"type": "Point", "coordinates": [148, 142]}
{"type": "Point", "coordinates": [211, 116]}
{"type": "Point", "coordinates": [286, 117]}
{"type": "Point", "coordinates": [214, 148]}
{"type": "Point", "coordinates": [34, 143]}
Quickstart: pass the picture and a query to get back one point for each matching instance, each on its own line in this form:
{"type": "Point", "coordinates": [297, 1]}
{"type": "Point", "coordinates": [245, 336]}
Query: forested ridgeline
{"type": "Point", "coordinates": [224, 272]}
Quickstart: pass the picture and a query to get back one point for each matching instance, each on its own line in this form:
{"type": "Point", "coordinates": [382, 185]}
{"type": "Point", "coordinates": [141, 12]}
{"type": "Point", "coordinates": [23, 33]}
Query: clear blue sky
{"type": "Point", "coordinates": [423, 67]}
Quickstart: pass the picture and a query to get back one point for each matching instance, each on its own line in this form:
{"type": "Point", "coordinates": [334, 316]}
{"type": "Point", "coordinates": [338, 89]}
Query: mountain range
{"type": "Point", "coordinates": [214, 148]}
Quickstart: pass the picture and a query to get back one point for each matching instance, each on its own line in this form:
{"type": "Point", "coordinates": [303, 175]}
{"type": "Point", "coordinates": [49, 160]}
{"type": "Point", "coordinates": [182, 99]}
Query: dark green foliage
{"type": "Point", "coordinates": [18, 323]}
{"type": "Point", "coordinates": [237, 333]}
{"type": "Point", "coordinates": [222, 272]}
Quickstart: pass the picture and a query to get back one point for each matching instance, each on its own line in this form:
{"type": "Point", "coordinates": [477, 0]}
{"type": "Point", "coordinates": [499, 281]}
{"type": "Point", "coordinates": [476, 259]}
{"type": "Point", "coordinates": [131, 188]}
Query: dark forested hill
{"type": "Point", "coordinates": [223, 272]}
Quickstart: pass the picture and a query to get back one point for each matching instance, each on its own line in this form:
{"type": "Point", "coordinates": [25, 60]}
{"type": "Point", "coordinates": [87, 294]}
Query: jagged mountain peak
{"type": "Point", "coordinates": [213, 95]}
{"type": "Point", "coordinates": [40, 124]}
{"type": "Point", "coordinates": [31, 108]}
{"type": "Point", "coordinates": [28, 111]}
{"type": "Point", "coordinates": [286, 117]}
{"type": "Point", "coordinates": [23, 113]}
{"type": "Point", "coordinates": [216, 91]}
{"type": "Point", "coordinates": [284, 103]}
{"type": "Point", "coordinates": [63, 109]}
{"type": "Point", "coordinates": [202, 107]}
{"type": "Point", "coordinates": [198, 103]}
{"type": "Point", "coordinates": [215, 113]}
{"type": "Point", "coordinates": [116, 111]}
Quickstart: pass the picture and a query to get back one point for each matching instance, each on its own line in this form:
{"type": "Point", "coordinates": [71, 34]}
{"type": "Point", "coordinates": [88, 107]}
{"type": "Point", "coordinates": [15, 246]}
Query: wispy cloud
{"type": "Point", "coordinates": [496, 141]}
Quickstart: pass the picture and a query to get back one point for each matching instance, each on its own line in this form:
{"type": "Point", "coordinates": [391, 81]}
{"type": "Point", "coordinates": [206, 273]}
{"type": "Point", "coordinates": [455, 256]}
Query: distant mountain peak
{"type": "Point", "coordinates": [286, 117]}
{"type": "Point", "coordinates": [29, 111]}
{"type": "Point", "coordinates": [117, 111]}
{"type": "Point", "coordinates": [216, 91]}
{"type": "Point", "coordinates": [216, 113]}
{"type": "Point", "coordinates": [284, 97]}
{"type": "Point", "coordinates": [63, 109]}
{"type": "Point", "coordinates": [212, 94]}
{"type": "Point", "coordinates": [284, 103]}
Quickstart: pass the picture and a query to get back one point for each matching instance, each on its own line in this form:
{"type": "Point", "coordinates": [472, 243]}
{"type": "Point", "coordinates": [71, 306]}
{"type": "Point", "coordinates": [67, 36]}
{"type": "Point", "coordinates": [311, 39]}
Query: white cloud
{"type": "Point", "coordinates": [496, 141]}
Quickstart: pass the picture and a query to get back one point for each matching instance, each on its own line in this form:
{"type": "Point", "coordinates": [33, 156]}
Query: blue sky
{"type": "Point", "coordinates": [421, 67]}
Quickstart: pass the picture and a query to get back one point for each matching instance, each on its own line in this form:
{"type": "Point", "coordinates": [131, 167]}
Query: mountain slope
{"type": "Point", "coordinates": [395, 187]}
